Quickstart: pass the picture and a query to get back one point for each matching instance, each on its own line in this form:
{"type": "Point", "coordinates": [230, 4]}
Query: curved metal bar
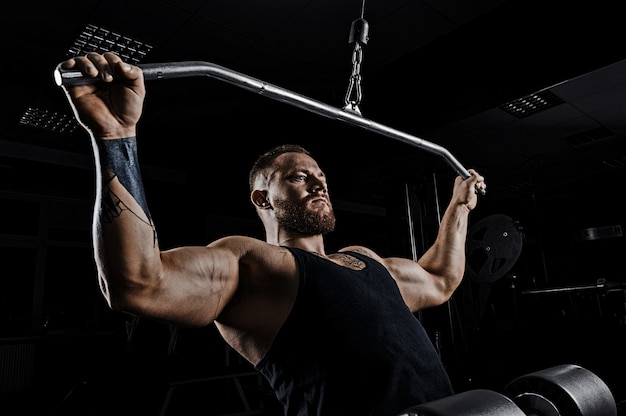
{"type": "Point", "coordinates": [157, 71]}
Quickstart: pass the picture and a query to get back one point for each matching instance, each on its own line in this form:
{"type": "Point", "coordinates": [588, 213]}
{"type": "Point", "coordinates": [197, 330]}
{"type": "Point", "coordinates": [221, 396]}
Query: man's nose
{"type": "Point", "coordinates": [318, 187]}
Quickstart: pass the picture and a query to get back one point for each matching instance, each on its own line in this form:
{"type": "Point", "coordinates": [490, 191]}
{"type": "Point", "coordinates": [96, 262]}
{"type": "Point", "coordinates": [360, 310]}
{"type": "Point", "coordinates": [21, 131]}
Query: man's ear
{"type": "Point", "coordinates": [259, 198]}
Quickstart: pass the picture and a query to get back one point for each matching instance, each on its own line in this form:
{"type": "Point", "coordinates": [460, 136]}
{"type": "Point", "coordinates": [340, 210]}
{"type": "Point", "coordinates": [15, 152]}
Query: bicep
{"type": "Point", "coordinates": [419, 288]}
{"type": "Point", "coordinates": [194, 285]}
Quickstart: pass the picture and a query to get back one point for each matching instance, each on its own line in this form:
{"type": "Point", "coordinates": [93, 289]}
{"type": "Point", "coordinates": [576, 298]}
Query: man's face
{"type": "Point", "coordinates": [297, 216]}
{"type": "Point", "coordinates": [301, 200]}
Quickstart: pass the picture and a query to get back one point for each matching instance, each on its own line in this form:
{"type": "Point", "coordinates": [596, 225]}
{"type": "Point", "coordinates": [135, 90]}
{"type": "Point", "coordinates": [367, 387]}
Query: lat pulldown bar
{"type": "Point", "coordinates": [170, 70]}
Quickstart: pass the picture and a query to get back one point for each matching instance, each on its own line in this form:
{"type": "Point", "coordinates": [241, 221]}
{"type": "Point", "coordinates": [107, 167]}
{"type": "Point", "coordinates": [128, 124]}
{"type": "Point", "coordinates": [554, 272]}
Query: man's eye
{"type": "Point", "coordinates": [299, 177]}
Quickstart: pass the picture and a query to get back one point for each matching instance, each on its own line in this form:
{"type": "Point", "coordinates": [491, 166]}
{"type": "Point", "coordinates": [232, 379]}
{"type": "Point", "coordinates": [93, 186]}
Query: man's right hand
{"type": "Point", "coordinates": [110, 107]}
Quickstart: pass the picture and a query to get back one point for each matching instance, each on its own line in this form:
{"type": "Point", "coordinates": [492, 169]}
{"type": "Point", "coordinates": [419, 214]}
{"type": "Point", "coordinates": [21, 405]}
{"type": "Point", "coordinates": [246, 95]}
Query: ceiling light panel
{"type": "Point", "coordinates": [97, 39]}
{"type": "Point", "coordinates": [531, 104]}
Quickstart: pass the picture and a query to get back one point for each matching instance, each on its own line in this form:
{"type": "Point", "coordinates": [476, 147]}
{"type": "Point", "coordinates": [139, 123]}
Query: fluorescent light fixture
{"type": "Point", "coordinates": [531, 104]}
{"type": "Point", "coordinates": [91, 39]}
{"type": "Point", "coordinates": [48, 120]}
{"type": "Point", "coordinates": [97, 39]}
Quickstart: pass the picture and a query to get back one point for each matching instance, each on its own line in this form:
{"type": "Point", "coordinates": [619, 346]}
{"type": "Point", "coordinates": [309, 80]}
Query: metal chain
{"type": "Point", "coordinates": [354, 94]}
{"type": "Point", "coordinates": [359, 34]}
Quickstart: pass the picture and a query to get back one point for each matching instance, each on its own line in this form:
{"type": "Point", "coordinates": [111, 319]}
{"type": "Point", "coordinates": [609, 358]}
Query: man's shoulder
{"type": "Point", "coordinates": [361, 250]}
{"type": "Point", "coordinates": [254, 251]}
{"type": "Point", "coordinates": [237, 241]}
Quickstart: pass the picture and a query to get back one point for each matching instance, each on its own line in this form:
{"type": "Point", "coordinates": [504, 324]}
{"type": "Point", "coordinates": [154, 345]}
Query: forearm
{"type": "Point", "coordinates": [446, 257]}
{"type": "Point", "coordinates": [125, 240]}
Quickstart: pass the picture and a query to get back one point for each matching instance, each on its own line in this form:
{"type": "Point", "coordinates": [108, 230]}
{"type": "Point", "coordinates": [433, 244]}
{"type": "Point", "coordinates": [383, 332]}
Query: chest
{"type": "Point", "coordinates": [347, 260]}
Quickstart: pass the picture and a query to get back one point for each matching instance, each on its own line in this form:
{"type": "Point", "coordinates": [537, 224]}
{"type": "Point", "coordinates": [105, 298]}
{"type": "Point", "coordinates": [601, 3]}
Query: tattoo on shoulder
{"type": "Point", "coordinates": [349, 261]}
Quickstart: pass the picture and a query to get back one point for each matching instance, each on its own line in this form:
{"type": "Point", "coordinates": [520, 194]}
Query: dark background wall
{"type": "Point", "coordinates": [554, 294]}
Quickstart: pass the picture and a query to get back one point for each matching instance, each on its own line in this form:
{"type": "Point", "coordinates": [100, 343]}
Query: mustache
{"type": "Point", "coordinates": [311, 197]}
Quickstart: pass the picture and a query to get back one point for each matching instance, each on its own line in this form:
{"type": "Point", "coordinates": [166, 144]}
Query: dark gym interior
{"type": "Point", "coordinates": [532, 94]}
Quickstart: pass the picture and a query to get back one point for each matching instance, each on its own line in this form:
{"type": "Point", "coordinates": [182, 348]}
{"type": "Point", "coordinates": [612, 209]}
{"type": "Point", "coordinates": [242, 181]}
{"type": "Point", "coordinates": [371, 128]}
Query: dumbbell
{"type": "Point", "coordinates": [477, 402]}
{"type": "Point", "coordinates": [562, 390]}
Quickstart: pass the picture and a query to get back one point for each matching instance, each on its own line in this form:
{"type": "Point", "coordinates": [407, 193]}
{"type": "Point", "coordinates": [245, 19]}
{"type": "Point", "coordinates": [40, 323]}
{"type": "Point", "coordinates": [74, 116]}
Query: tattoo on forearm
{"type": "Point", "coordinates": [112, 207]}
{"type": "Point", "coordinates": [118, 159]}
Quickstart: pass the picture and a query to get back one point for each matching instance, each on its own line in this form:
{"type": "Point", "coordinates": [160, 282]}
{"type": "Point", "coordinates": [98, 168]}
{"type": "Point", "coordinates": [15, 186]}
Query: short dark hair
{"type": "Point", "coordinates": [268, 158]}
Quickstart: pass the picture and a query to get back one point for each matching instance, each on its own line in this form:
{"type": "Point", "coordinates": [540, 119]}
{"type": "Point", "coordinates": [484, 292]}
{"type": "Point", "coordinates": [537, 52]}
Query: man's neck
{"type": "Point", "coordinates": [314, 244]}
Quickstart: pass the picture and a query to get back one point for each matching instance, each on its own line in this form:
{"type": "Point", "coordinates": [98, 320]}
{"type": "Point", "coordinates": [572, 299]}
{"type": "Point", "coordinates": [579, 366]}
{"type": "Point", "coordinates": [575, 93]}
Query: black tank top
{"type": "Point", "coordinates": [351, 346]}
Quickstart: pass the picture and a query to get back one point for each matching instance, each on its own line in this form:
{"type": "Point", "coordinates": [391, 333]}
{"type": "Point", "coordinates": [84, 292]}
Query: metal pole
{"type": "Point", "coordinates": [158, 71]}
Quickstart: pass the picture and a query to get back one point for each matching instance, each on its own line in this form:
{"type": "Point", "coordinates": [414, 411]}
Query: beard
{"type": "Point", "coordinates": [294, 216]}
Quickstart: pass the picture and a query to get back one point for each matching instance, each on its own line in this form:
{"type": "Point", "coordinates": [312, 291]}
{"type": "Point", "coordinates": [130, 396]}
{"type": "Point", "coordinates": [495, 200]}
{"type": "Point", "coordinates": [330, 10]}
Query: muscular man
{"type": "Point", "coordinates": [334, 333]}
